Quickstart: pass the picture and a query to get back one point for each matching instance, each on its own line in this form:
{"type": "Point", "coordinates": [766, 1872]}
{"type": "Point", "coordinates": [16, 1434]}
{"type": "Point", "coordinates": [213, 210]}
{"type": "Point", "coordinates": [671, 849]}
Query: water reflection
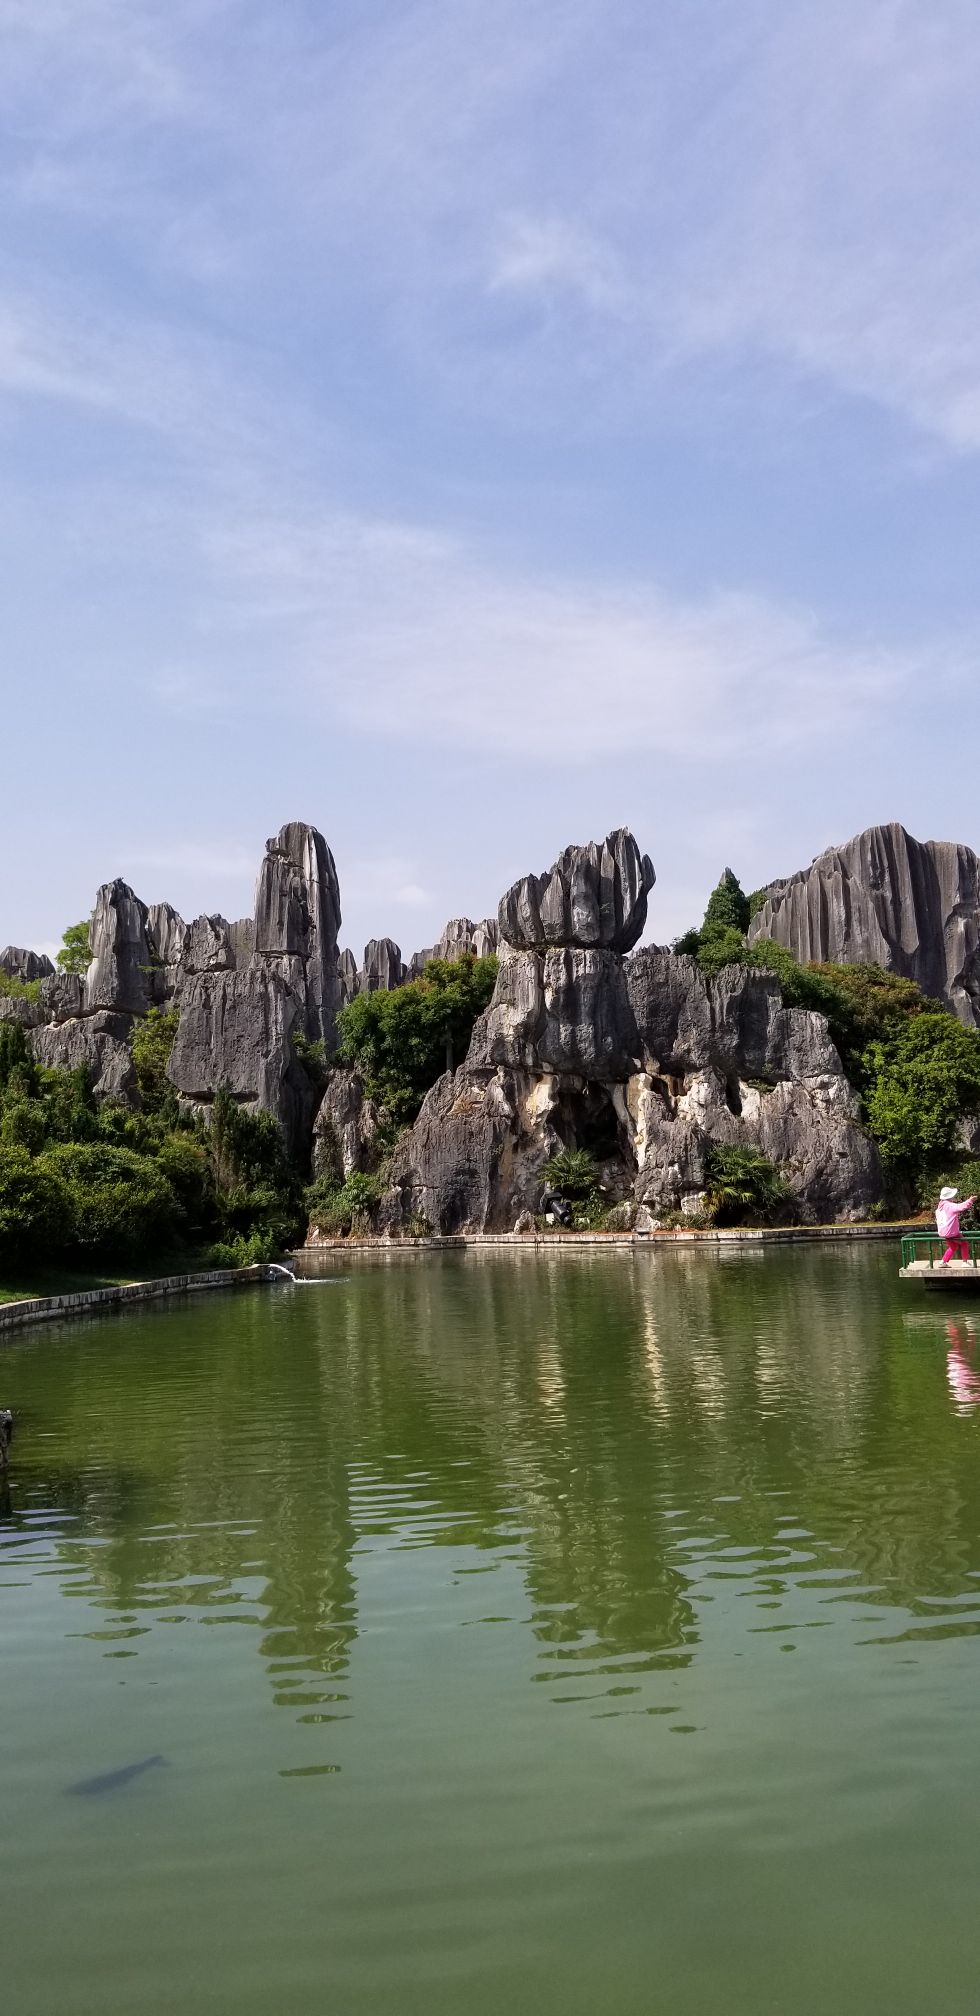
{"type": "Point", "coordinates": [648, 1442]}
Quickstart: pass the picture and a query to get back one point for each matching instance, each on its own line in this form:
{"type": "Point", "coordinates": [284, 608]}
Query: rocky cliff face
{"type": "Point", "coordinates": [912, 906]}
{"type": "Point", "coordinates": [242, 990]}
{"type": "Point", "coordinates": [639, 1059]}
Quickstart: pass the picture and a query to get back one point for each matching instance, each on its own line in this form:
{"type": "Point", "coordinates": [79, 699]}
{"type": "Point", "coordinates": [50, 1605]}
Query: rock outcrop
{"type": "Point", "coordinates": [207, 947]}
{"type": "Point", "coordinates": [118, 978]}
{"type": "Point", "coordinates": [100, 1042]}
{"type": "Point", "coordinates": [345, 1133]}
{"type": "Point", "coordinates": [234, 1033]}
{"type": "Point", "coordinates": [20, 964]}
{"type": "Point", "coordinates": [912, 906]}
{"type": "Point", "coordinates": [382, 969]}
{"type": "Point", "coordinates": [639, 1059]}
{"type": "Point", "coordinates": [297, 918]}
{"type": "Point", "coordinates": [347, 976]}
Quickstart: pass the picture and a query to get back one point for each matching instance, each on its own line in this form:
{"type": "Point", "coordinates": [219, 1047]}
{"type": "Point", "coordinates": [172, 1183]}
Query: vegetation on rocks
{"type": "Point", "coordinates": [915, 1067]}
{"type": "Point", "coordinates": [401, 1041]}
{"type": "Point", "coordinates": [744, 1188]}
{"type": "Point", "coordinates": [82, 1183]}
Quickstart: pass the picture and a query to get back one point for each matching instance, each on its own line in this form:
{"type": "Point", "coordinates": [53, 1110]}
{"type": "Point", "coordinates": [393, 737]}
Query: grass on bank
{"type": "Point", "coordinates": [33, 1280]}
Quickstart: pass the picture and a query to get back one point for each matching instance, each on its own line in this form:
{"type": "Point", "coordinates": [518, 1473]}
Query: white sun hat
{"type": "Point", "coordinates": [947, 1193]}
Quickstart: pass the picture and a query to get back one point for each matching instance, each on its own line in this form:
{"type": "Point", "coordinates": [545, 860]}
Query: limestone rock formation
{"type": "Point", "coordinates": [641, 1060]}
{"type": "Point", "coordinates": [472, 1161]}
{"type": "Point", "coordinates": [594, 896]}
{"type": "Point", "coordinates": [345, 1132]}
{"type": "Point", "coordinates": [297, 918]}
{"type": "Point", "coordinates": [20, 964]}
{"type": "Point", "coordinates": [912, 906]}
{"type": "Point", "coordinates": [459, 937]}
{"type": "Point", "coordinates": [568, 1010]}
{"type": "Point", "coordinates": [207, 947]}
{"type": "Point", "coordinates": [118, 978]}
{"type": "Point", "coordinates": [382, 969]}
{"type": "Point", "coordinates": [62, 996]}
{"type": "Point", "coordinates": [347, 975]}
{"type": "Point", "coordinates": [241, 938]}
{"type": "Point", "coordinates": [166, 931]}
{"type": "Point", "coordinates": [100, 1042]}
{"type": "Point", "coordinates": [234, 1032]}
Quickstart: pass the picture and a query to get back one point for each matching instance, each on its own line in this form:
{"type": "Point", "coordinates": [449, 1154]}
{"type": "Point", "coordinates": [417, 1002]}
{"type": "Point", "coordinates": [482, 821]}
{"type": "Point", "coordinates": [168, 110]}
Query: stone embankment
{"type": "Point", "coordinates": [97, 1301]}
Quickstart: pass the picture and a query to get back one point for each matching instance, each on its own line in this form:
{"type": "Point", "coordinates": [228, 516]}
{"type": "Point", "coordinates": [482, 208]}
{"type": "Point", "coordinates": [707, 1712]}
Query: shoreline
{"type": "Point", "coordinates": [86, 1301]}
{"type": "Point", "coordinates": [93, 1301]}
{"type": "Point", "coordinates": [734, 1235]}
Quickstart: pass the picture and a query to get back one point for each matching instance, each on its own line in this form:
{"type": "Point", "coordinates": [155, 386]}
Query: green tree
{"type": "Point", "coordinates": [402, 1041]}
{"type": "Point", "coordinates": [720, 940]}
{"type": "Point", "coordinates": [920, 1080]}
{"type": "Point", "coordinates": [728, 906]}
{"type": "Point", "coordinates": [121, 1203]}
{"type": "Point", "coordinates": [76, 949]}
{"type": "Point", "coordinates": [36, 1213]}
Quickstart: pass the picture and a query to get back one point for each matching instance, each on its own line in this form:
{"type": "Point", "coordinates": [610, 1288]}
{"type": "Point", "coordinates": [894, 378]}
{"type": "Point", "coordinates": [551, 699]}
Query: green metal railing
{"type": "Point", "coordinates": [932, 1245]}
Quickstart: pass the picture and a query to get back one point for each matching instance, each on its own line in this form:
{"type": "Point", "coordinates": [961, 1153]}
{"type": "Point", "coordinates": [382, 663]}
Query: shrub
{"type": "Point", "coordinates": [347, 1209]}
{"type": "Point", "coordinates": [24, 1124]}
{"type": "Point", "coordinates": [313, 1057]}
{"type": "Point", "coordinates": [742, 1184]}
{"type": "Point", "coordinates": [402, 1041]}
{"type": "Point", "coordinates": [12, 988]}
{"type": "Point", "coordinates": [121, 1202]}
{"type": "Point", "coordinates": [573, 1172]}
{"type": "Point", "coordinates": [183, 1160]}
{"type": "Point", "coordinates": [242, 1251]}
{"type": "Point", "coordinates": [153, 1040]}
{"type": "Point", "coordinates": [35, 1206]}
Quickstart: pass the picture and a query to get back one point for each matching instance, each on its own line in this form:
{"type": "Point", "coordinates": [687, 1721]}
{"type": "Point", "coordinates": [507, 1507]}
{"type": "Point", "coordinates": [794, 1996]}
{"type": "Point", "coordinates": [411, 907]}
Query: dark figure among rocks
{"type": "Point", "coordinates": [6, 1436]}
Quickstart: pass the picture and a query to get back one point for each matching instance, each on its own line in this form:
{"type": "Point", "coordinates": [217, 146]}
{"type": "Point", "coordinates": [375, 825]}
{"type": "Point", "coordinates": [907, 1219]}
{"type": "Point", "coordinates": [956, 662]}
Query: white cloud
{"type": "Point", "coordinates": [410, 636]}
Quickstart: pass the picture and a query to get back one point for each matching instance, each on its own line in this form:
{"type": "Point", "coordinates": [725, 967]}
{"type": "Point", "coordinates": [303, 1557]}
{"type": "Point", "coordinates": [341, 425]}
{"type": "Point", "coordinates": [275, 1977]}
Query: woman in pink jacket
{"type": "Point", "coordinates": [949, 1211]}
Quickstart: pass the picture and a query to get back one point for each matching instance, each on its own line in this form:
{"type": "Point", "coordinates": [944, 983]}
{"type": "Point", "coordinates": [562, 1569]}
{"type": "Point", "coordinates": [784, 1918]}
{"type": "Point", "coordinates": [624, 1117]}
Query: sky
{"type": "Point", "coordinates": [472, 425]}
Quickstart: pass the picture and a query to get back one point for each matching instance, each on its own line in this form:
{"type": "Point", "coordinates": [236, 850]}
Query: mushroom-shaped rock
{"type": "Point", "coordinates": [594, 897]}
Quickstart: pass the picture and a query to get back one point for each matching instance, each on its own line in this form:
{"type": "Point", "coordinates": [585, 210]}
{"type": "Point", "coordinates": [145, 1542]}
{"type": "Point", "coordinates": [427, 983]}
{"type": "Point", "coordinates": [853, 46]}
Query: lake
{"type": "Point", "coordinates": [587, 1632]}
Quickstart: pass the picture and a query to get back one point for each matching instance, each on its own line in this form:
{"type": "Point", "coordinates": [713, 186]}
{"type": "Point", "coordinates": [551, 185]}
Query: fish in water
{"type": "Point", "coordinates": [111, 1781]}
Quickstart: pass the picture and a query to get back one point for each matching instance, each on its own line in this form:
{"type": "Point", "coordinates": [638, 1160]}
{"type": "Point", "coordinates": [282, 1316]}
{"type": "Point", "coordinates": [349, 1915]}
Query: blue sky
{"type": "Point", "coordinates": [473, 424]}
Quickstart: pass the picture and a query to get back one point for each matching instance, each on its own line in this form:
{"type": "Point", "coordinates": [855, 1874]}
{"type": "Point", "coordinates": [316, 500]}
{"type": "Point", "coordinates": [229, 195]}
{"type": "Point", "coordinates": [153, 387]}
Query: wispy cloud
{"type": "Point", "coordinates": [544, 670]}
{"type": "Point", "coordinates": [794, 184]}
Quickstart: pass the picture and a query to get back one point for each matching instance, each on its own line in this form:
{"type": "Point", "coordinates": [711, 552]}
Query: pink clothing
{"type": "Point", "coordinates": [956, 1250]}
{"type": "Point", "coordinates": [948, 1215]}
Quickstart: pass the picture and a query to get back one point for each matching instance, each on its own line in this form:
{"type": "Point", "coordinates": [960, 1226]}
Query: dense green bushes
{"type": "Point", "coordinates": [83, 1182]}
{"type": "Point", "coordinates": [401, 1042]}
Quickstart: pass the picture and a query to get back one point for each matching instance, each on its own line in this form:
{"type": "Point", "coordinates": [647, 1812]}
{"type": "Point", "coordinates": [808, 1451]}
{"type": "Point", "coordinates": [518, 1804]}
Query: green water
{"type": "Point", "coordinates": [594, 1633]}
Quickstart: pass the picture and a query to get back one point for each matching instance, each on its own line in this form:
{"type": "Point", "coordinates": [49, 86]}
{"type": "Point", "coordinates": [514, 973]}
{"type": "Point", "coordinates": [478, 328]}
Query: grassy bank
{"type": "Point", "coordinates": [34, 1280]}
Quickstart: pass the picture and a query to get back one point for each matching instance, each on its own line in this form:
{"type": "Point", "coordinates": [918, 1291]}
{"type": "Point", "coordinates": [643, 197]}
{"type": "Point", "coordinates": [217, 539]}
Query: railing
{"type": "Point", "coordinates": [932, 1245]}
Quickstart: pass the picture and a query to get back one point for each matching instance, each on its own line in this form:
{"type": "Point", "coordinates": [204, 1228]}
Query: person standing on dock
{"type": "Point", "coordinates": [949, 1211]}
